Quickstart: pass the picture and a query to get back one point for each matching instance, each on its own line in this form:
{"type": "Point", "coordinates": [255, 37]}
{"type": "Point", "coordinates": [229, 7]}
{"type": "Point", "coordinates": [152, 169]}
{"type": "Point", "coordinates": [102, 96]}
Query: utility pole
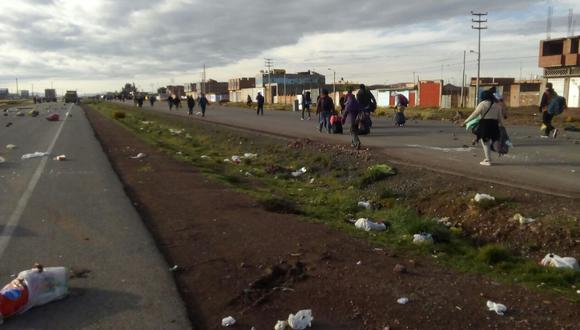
{"type": "Point", "coordinates": [479, 27]}
{"type": "Point", "coordinates": [463, 79]}
{"type": "Point", "coordinates": [203, 81]}
{"type": "Point", "coordinates": [17, 87]}
{"type": "Point", "coordinates": [285, 88]}
{"type": "Point", "coordinates": [269, 64]}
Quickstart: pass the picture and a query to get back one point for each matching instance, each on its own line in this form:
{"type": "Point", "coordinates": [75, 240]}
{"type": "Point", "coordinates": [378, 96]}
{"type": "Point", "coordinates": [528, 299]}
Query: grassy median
{"type": "Point", "coordinates": [328, 190]}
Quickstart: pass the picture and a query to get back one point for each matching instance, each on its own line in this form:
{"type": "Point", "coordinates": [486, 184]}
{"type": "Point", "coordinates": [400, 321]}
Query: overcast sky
{"type": "Point", "coordinates": [97, 45]}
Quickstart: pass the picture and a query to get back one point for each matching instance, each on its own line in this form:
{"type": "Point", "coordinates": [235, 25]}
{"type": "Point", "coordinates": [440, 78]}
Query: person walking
{"type": "Point", "coordinates": [190, 104]}
{"type": "Point", "coordinates": [170, 102]}
{"type": "Point", "coordinates": [260, 101]}
{"type": "Point", "coordinates": [401, 103]}
{"type": "Point", "coordinates": [351, 111]}
{"type": "Point", "coordinates": [547, 117]}
{"type": "Point", "coordinates": [324, 108]}
{"type": "Point", "coordinates": [203, 102]}
{"type": "Point", "coordinates": [177, 101]}
{"type": "Point", "coordinates": [249, 101]}
{"type": "Point", "coordinates": [366, 99]}
{"type": "Point", "coordinates": [152, 100]}
{"type": "Point", "coordinates": [306, 103]}
{"type": "Point", "coordinates": [490, 114]}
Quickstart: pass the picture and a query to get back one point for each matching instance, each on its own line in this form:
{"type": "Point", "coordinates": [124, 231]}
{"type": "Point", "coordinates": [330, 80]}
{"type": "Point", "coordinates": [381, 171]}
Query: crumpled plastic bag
{"type": "Point", "coordinates": [523, 220]}
{"type": "Point", "coordinates": [250, 156]}
{"type": "Point", "coordinates": [365, 204]}
{"type": "Point", "coordinates": [2, 160]}
{"type": "Point", "coordinates": [499, 309]}
{"type": "Point", "coordinates": [301, 320]}
{"type": "Point", "coordinates": [34, 155]}
{"type": "Point", "coordinates": [31, 288]}
{"type": "Point", "coordinates": [423, 238]}
{"type": "Point", "coordinates": [368, 225]}
{"type": "Point", "coordinates": [228, 321]}
{"type": "Point", "coordinates": [281, 325]}
{"type": "Point", "coordinates": [299, 172]}
{"type": "Point", "coordinates": [139, 156]}
{"type": "Point", "coordinates": [483, 197]}
{"type": "Point", "coordinates": [552, 260]}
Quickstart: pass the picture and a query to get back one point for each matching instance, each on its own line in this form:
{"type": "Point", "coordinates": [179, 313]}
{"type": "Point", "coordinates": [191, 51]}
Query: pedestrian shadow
{"type": "Point", "coordinates": [83, 308]}
{"type": "Point", "coordinates": [18, 232]}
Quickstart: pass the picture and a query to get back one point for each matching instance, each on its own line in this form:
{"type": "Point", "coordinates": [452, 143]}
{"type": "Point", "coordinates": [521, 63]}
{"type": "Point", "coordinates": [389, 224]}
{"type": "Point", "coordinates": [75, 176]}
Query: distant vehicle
{"type": "Point", "coordinates": [71, 97]}
{"type": "Point", "coordinates": [50, 95]}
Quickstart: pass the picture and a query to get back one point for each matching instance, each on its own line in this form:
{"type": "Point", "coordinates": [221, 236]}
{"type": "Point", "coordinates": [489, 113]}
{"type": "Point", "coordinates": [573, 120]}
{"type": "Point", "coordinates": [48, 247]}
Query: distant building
{"type": "Point", "coordinates": [178, 91]}
{"type": "Point", "coordinates": [241, 83]}
{"type": "Point", "coordinates": [24, 93]}
{"type": "Point", "coordinates": [560, 59]}
{"type": "Point", "coordinates": [278, 82]}
{"type": "Point", "coordinates": [451, 96]}
{"type": "Point", "coordinates": [385, 94]}
{"type": "Point", "coordinates": [212, 87]}
{"type": "Point", "coordinates": [502, 86]}
{"type": "Point", "coordinates": [50, 95]}
{"type": "Point", "coordinates": [525, 93]}
{"type": "Point", "coordinates": [4, 92]}
{"type": "Point", "coordinates": [430, 93]}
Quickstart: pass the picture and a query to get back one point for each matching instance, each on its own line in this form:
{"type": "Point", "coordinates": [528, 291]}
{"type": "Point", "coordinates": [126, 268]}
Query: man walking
{"type": "Point", "coordinates": [260, 101]}
{"type": "Point", "coordinates": [306, 102]}
{"type": "Point", "coordinates": [351, 111]}
{"type": "Point", "coordinates": [366, 99]}
{"type": "Point", "coordinates": [203, 102]}
{"type": "Point", "coordinates": [190, 104]}
{"type": "Point", "coordinates": [324, 108]}
{"type": "Point", "coordinates": [547, 117]}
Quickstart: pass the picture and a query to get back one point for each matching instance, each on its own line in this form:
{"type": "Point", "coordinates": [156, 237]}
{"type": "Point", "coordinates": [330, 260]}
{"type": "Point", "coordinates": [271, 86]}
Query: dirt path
{"type": "Point", "coordinates": [237, 259]}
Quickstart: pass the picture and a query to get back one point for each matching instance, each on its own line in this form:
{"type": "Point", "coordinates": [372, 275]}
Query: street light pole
{"type": "Point", "coordinates": [333, 83]}
{"type": "Point", "coordinates": [463, 79]}
{"type": "Point", "coordinates": [479, 21]}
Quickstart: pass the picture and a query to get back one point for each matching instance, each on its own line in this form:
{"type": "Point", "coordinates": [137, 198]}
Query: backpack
{"type": "Point", "coordinates": [403, 100]}
{"type": "Point", "coordinates": [557, 105]}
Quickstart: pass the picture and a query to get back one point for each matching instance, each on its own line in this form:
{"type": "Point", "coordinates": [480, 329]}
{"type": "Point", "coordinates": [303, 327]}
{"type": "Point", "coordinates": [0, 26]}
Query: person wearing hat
{"type": "Point", "coordinates": [547, 126]}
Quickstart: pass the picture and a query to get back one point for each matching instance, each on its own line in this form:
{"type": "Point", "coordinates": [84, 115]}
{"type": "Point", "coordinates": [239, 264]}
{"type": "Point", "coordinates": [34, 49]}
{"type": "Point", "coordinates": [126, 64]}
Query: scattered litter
{"type": "Point", "coordinates": [365, 205]}
{"type": "Point", "coordinates": [358, 263]}
{"type": "Point", "coordinates": [552, 260]}
{"type": "Point", "coordinates": [368, 225]}
{"type": "Point", "coordinates": [173, 131]}
{"type": "Point", "coordinates": [34, 155]}
{"type": "Point", "coordinates": [53, 117]}
{"type": "Point", "coordinates": [228, 321]}
{"type": "Point", "coordinates": [174, 268]}
{"type": "Point", "coordinates": [227, 160]}
{"type": "Point", "coordinates": [139, 156]}
{"type": "Point", "coordinates": [250, 156]}
{"type": "Point", "coordinates": [422, 238]}
{"type": "Point", "coordinates": [198, 113]}
{"type": "Point", "coordinates": [403, 301]}
{"type": "Point", "coordinates": [299, 172]}
{"type": "Point", "coordinates": [483, 197]}
{"type": "Point", "coordinates": [10, 146]}
{"type": "Point", "coordinates": [34, 287]}
{"type": "Point", "coordinates": [499, 309]}
{"type": "Point", "coordinates": [2, 160]}
{"type": "Point", "coordinates": [522, 220]}
{"type": "Point", "coordinates": [33, 113]}
{"type": "Point", "coordinates": [302, 319]}
{"type": "Point", "coordinates": [400, 269]}
{"type": "Point", "coordinates": [443, 221]}
{"type": "Point", "coordinates": [60, 157]}
{"type": "Point", "coordinates": [248, 174]}
{"type": "Point", "coordinates": [236, 159]}
{"type": "Point", "coordinates": [281, 325]}
{"type": "Point", "coordinates": [204, 157]}
{"type": "Point", "coordinates": [19, 114]}
{"type": "Point", "coordinates": [312, 181]}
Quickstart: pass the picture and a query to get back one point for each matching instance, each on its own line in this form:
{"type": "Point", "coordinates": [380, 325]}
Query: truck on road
{"type": "Point", "coordinates": [71, 97]}
{"type": "Point", "coordinates": [50, 95]}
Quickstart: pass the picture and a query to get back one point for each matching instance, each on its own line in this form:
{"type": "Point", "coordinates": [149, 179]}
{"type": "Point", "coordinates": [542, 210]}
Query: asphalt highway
{"type": "Point", "coordinates": [75, 213]}
{"type": "Point", "coordinates": [544, 165]}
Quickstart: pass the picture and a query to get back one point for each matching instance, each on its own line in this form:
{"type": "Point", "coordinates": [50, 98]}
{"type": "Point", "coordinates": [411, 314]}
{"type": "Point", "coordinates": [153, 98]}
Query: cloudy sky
{"type": "Point", "coordinates": [97, 45]}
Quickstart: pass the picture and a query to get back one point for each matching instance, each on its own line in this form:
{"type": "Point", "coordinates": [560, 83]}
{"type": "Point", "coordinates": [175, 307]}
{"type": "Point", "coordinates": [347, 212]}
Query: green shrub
{"type": "Point", "coordinates": [376, 173]}
{"type": "Point", "coordinates": [493, 254]}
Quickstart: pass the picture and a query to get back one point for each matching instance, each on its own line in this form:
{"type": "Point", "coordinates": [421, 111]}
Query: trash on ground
{"type": "Point", "coordinates": [365, 205]}
{"type": "Point", "coordinates": [174, 268]}
{"type": "Point", "coordinates": [499, 309]}
{"type": "Point", "coordinates": [60, 158]}
{"type": "Point", "coordinates": [299, 172]}
{"type": "Point", "coordinates": [281, 325]}
{"type": "Point", "coordinates": [523, 220]}
{"type": "Point", "coordinates": [19, 114]}
{"type": "Point", "coordinates": [173, 131]}
{"type": "Point", "coordinates": [227, 160]}
{"type": "Point", "coordinates": [403, 301]}
{"type": "Point", "coordinates": [400, 269]}
{"type": "Point", "coordinates": [236, 159]}
{"type": "Point", "coordinates": [301, 320]}
{"type": "Point", "coordinates": [368, 225]}
{"type": "Point", "coordinates": [250, 156]}
{"type": "Point", "coordinates": [34, 155]}
{"type": "Point", "coordinates": [443, 221]}
{"type": "Point", "coordinates": [31, 288]}
{"type": "Point", "coordinates": [53, 117]}
{"type": "Point", "coordinates": [33, 113]}
{"type": "Point", "coordinates": [2, 160]}
{"type": "Point", "coordinates": [10, 146]}
{"type": "Point", "coordinates": [552, 260]}
{"type": "Point", "coordinates": [423, 238]}
{"type": "Point", "coordinates": [228, 321]}
{"type": "Point", "coordinates": [139, 156]}
{"type": "Point", "coordinates": [483, 197]}
{"type": "Point", "coordinates": [204, 157]}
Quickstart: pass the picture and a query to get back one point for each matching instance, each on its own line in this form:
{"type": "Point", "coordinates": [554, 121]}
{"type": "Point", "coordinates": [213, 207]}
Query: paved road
{"type": "Point", "coordinates": [551, 166]}
{"type": "Point", "coordinates": [76, 214]}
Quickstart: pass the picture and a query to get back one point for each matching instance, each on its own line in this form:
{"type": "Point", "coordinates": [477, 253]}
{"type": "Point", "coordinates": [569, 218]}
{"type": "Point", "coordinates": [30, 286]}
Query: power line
{"type": "Point", "coordinates": [479, 27]}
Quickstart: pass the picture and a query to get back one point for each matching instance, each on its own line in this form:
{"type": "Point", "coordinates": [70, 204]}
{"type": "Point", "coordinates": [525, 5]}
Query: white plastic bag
{"type": "Point", "coordinates": [139, 156]}
{"type": "Point", "coordinates": [250, 156]}
{"type": "Point", "coordinates": [365, 205]}
{"type": "Point", "coordinates": [499, 309]}
{"type": "Point", "coordinates": [483, 197]}
{"type": "Point", "coordinates": [367, 225]}
{"type": "Point", "coordinates": [281, 325]}
{"type": "Point", "coordinates": [422, 238]}
{"type": "Point", "coordinates": [228, 321]}
{"type": "Point", "coordinates": [34, 155]}
{"type": "Point", "coordinates": [299, 172]}
{"type": "Point", "coordinates": [45, 286]}
{"type": "Point", "coordinates": [302, 319]}
{"type": "Point", "coordinates": [523, 220]}
{"type": "Point", "coordinates": [552, 260]}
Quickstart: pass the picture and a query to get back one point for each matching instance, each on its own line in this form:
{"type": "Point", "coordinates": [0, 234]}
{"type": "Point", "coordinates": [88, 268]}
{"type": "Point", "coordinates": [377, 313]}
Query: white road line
{"type": "Point", "coordinates": [16, 215]}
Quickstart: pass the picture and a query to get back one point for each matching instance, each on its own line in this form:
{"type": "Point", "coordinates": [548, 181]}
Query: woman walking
{"type": "Point", "coordinates": [490, 114]}
{"type": "Point", "coordinates": [352, 110]}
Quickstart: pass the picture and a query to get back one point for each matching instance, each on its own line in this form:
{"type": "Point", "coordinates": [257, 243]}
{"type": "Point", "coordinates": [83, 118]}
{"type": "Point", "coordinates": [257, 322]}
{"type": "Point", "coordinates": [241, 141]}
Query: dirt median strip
{"type": "Point", "coordinates": [236, 259]}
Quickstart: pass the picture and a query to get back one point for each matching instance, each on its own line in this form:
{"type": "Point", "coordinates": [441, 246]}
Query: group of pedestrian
{"type": "Point", "coordinates": [202, 101]}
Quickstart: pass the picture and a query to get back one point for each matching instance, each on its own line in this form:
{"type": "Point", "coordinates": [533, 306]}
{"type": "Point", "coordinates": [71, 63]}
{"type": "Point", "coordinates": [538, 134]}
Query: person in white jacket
{"type": "Point", "coordinates": [491, 114]}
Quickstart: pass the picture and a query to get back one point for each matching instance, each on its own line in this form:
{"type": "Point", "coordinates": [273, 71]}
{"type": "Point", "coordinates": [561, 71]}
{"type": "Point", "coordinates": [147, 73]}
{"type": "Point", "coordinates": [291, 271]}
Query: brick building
{"type": "Point", "coordinates": [560, 59]}
{"type": "Point", "coordinates": [241, 83]}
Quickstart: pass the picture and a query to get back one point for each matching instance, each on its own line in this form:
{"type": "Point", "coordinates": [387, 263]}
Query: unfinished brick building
{"type": "Point", "coordinates": [560, 59]}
